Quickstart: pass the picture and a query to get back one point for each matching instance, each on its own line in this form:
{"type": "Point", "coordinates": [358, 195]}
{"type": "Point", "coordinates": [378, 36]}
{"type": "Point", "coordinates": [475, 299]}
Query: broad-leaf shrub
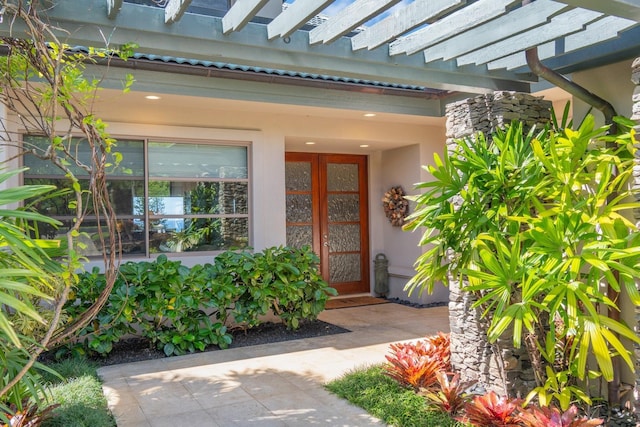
{"type": "Point", "coordinates": [182, 310]}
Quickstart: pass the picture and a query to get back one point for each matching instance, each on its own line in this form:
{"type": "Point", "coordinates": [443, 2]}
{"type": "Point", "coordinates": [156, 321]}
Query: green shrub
{"type": "Point", "coordinates": [182, 310]}
{"type": "Point", "coordinates": [286, 280]}
{"type": "Point", "coordinates": [113, 321]}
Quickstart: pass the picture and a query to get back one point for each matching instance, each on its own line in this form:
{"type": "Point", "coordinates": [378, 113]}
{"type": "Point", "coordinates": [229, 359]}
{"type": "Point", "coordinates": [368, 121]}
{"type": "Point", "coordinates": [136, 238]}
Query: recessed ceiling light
{"type": "Point", "coordinates": [152, 97]}
{"type": "Point", "coordinates": [370, 115]}
{"type": "Point", "coordinates": [310, 143]}
{"type": "Point", "coordinates": [364, 145]}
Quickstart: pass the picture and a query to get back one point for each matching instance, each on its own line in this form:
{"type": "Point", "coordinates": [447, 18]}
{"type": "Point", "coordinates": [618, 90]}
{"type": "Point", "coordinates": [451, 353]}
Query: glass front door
{"type": "Point", "coordinates": [327, 210]}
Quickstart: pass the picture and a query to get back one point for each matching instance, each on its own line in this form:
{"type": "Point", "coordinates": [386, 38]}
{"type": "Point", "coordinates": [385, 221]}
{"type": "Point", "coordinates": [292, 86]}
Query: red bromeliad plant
{"type": "Point", "coordinates": [416, 364]}
{"type": "Point", "coordinates": [451, 396]}
{"type": "Point", "coordinates": [534, 416]}
{"type": "Point", "coordinates": [30, 416]}
{"type": "Point", "coordinates": [490, 410]}
{"type": "Point", "coordinates": [412, 369]}
{"type": "Point", "coordinates": [441, 348]}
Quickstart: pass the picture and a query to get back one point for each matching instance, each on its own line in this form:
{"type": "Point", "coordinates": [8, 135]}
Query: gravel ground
{"type": "Point", "coordinates": [137, 349]}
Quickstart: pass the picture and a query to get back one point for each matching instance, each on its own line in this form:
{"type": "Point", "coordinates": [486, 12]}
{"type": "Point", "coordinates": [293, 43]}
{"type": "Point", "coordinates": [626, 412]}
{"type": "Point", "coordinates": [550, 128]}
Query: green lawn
{"type": "Point", "coordinates": [385, 399]}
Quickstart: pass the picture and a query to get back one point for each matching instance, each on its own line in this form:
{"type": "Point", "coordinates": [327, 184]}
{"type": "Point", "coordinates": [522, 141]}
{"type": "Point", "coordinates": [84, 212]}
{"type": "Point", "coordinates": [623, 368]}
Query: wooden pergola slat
{"type": "Point", "coordinates": [412, 16]}
{"type": "Point", "coordinates": [567, 23]}
{"type": "Point", "coordinates": [460, 21]}
{"type": "Point", "coordinates": [603, 29]}
{"type": "Point", "coordinates": [240, 14]}
{"type": "Point", "coordinates": [174, 10]}
{"type": "Point", "coordinates": [350, 18]}
{"type": "Point", "coordinates": [628, 9]}
{"type": "Point", "coordinates": [516, 22]}
{"type": "Point", "coordinates": [294, 17]}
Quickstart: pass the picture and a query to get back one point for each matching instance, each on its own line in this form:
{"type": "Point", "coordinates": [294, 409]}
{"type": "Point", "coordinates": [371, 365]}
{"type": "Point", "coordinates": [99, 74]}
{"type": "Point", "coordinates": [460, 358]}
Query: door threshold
{"type": "Point", "coordinates": [363, 294]}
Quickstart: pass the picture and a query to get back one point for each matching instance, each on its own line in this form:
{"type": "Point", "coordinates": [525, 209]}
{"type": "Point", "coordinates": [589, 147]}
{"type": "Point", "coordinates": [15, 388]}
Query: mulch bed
{"type": "Point", "coordinates": [138, 349]}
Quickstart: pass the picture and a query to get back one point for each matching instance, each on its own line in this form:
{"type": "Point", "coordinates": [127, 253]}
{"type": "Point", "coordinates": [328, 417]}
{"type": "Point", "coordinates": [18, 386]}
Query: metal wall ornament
{"type": "Point", "coordinates": [396, 206]}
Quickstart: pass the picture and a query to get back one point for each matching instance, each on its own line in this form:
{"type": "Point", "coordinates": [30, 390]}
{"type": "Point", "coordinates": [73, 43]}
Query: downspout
{"type": "Point", "coordinates": [557, 79]}
{"type": "Point", "coordinates": [541, 70]}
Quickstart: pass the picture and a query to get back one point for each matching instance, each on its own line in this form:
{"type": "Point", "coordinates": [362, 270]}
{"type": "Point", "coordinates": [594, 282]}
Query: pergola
{"type": "Point", "coordinates": [451, 45]}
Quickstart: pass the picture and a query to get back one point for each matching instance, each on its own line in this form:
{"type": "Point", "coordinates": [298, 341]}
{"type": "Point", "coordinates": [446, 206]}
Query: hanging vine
{"type": "Point", "coordinates": [45, 92]}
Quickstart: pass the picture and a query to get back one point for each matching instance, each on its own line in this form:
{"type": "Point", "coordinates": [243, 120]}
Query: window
{"type": "Point", "coordinates": [168, 197]}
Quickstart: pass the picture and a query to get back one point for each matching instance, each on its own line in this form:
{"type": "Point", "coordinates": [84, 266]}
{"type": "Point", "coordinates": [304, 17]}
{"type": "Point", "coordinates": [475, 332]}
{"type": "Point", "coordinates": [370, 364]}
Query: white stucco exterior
{"type": "Point", "coordinates": [397, 145]}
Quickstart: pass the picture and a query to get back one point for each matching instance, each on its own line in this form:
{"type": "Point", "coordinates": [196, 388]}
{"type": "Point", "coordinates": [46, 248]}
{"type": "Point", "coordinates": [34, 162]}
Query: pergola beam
{"type": "Point", "coordinates": [200, 37]}
{"type": "Point", "coordinates": [412, 16]}
{"type": "Point", "coordinates": [240, 14]}
{"type": "Point", "coordinates": [460, 37]}
{"type": "Point", "coordinates": [567, 23]}
{"type": "Point", "coordinates": [294, 17]}
{"type": "Point", "coordinates": [620, 48]}
{"type": "Point", "coordinates": [174, 10]}
{"type": "Point", "coordinates": [350, 18]}
{"type": "Point", "coordinates": [628, 9]}
{"type": "Point", "coordinates": [516, 22]}
{"type": "Point", "coordinates": [595, 34]}
{"type": "Point", "coordinates": [471, 16]}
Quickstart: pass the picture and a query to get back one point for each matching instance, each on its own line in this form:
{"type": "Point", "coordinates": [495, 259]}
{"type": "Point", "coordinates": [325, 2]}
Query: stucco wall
{"type": "Point", "coordinates": [272, 132]}
{"type": "Point", "coordinates": [400, 167]}
{"type": "Point", "coordinates": [612, 83]}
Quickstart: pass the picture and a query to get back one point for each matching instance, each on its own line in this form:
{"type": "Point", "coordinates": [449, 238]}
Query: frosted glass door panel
{"type": "Point", "coordinates": [298, 176]}
{"type": "Point", "coordinates": [299, 236]}
{"type": "Point", "coordinates": [343, 222]}
{"type": "Point", "coordinates": [342, 177]}
{"type": "Point", "coordinates": [326, 203]}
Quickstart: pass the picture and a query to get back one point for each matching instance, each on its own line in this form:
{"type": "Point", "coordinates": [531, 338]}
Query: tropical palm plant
{"type": "Point", "coordinates": [26, 277]}
{"type": "Point", "coordinates": [25, 268]}
{"type": "Point", "coordinates": [539, 223]}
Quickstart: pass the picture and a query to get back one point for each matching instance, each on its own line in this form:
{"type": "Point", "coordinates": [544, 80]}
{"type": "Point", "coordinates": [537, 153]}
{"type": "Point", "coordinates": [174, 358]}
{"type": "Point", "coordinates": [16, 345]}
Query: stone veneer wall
{"type": "Point", "coordinates": [471, 354]}
{"type": "Point", "coordinates": [635, 78]}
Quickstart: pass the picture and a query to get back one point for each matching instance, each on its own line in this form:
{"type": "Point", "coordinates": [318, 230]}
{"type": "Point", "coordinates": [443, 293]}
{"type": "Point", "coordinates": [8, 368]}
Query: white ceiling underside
{"type": "Point", "coordinates": [454, 45]}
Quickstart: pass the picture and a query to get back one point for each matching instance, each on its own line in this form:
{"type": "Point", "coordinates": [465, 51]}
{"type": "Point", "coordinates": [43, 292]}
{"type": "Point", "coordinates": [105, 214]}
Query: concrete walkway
{"type": "Point", "coordinates": [278, 384]}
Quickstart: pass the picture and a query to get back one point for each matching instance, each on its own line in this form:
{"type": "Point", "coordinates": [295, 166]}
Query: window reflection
{"type": "Point", "coordinates": [195, 199]}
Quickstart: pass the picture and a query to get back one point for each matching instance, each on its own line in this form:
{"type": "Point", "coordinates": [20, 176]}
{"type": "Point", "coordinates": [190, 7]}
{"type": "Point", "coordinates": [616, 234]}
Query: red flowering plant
{"type": "Point", "coordinates": [416, 364]}
{"type": "Point", "coordinates": [550, 416]}
{"type": "Point", "coordinates": [490, 410]}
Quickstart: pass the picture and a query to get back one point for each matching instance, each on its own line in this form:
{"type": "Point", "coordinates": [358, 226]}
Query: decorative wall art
{"type": "Point", "coordinates": [396, 206]}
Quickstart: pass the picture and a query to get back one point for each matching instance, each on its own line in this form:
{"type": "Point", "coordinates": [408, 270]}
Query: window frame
{"type": "Point", "coordinates": [146, 179]}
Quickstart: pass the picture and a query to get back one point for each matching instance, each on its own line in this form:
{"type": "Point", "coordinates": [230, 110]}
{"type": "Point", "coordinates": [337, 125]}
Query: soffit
{"type": "Point", "coordinates": [453, 45]}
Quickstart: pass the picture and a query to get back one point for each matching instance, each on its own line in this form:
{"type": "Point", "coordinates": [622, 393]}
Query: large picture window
{"type": "Point", "coordinates": [168, 197]}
